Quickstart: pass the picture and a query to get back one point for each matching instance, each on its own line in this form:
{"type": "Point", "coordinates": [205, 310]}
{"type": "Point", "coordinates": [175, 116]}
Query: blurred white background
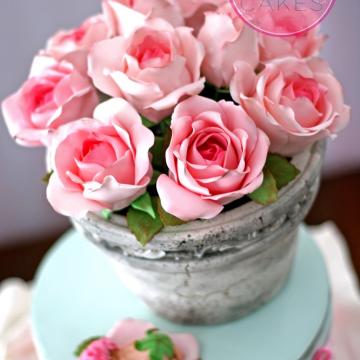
{"type": "Point", "coordinates": [24, 28]}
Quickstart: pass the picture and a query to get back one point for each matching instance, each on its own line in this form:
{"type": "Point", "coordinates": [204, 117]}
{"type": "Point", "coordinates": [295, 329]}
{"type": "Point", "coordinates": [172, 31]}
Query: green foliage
{"type": "Point", "coordinates": [155, 177]}
{"type": "Point", "coordinates": [144, 204]}
{"type": "Point", "coordinates": [46, 177]}
{"type": "Point", "coordinates": [146, 122]}
{"type": "Point", "coordinates": [142, 225]}
{"type": "Point", "coordinates": [103, 97]}
{"type": "Point", "coordinates": [267, 193]}
{"type": "Point", "coordinates": [148, 218]}
{"type": "Point", "coordinates": [158, 345]}
{"type": "Point", "coordinates": [166, 218]}
{"type": "Point", "coordinates": [278, 172]}
{"type": "Point", "coordinates": [106, 214]}
{"type": "Point", "coordinates": [84, 345]}
{"type": "Point", "coordinates": [158, 152]}
{"type": "Point", "coordinates": [282, 170]}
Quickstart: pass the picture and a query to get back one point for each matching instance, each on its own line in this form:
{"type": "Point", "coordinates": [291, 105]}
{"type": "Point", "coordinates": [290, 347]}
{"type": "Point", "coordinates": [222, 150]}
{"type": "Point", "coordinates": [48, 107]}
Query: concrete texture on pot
{"type": "Point", "coordinates": [213, 271]}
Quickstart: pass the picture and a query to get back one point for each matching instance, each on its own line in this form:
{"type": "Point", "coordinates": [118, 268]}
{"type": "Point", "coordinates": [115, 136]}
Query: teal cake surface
{"type": "Point", "coordinates": [77, 295]}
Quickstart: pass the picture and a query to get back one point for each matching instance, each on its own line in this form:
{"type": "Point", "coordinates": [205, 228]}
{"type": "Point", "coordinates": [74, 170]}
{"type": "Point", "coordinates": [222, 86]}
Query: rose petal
{"type": "Point", "coordinates": [67, 202]}
{"type": "Point", "coordinates": [176, 200]}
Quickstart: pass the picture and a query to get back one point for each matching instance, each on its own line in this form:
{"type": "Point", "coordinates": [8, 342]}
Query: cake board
{"type": "Point", "coordinates": [78, 295]}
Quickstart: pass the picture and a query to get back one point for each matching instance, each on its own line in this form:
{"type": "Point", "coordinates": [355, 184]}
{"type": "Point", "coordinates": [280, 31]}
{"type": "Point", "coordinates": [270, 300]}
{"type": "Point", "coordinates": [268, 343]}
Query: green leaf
{"type": "Point", "coordinates": [146, 122]}
{"type": "Point", "coordinates": [281, 169]}
{"type": "Point", "coordinates": [155, 177]}
{"type": "Point", "coordinates": [158, 152]}
{"type": "Point", "coordinates": [142, 225]}
{"type": "Point", "coordinates": [46, 178]}
{"type": "Point", "coordinates": [223, 90]}
{"type": "Point", "coordinates": [103, 97]}
{"type": "Point", "coordinates": [158, 345]}
{"type": "Point", "coordinates": [167, 121]}
{"type": "Point", "coordinates": [165, 125]}
{"type": "Point", "coordinates": [106, 214]}
{"type": "Point", "coordinates": [166, 218]}
{"type": "Point", "coordinates": [159, 149]}
{"type": "Point", "coordinates": [144, 204]}
{"type": "Point", "coordinates": [84, 345]}
{"type": "Point", "coordinates": [267, 193]}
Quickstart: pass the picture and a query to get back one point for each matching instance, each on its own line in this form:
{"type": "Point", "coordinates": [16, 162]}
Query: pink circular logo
{"type": "Point", "coordinates": [282, 17]}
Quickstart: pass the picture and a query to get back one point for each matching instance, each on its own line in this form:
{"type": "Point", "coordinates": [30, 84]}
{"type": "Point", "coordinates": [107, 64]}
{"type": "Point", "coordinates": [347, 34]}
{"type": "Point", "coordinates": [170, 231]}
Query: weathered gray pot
{"type": "Point", "coordinates": [218, 270]}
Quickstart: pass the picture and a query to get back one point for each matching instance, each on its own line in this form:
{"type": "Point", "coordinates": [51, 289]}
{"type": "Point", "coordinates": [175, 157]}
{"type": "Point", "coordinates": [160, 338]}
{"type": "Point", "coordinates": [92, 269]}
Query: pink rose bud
{"type": "Point", "coordinates": [101, 349]}
{"type": "Point", "coordinates": [323, 354]}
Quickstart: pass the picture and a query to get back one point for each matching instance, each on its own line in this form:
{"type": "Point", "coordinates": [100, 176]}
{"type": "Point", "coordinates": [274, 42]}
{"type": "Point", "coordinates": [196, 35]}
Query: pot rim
{"type": "Point", "coordinates": [249, 216]}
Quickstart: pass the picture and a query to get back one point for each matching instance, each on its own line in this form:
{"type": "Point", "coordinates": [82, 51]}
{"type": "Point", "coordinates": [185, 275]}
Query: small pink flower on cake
{"type": "Point", "coordinates": [100, 349]}
{"type": "Point", "coordinates": [216, 155]}
{"type": "Point", "coordinates": [57, 92]}
{"type": "Point", "coordinates": [154, 67]}
{"type": "Point", "coordinates": [226, 40]}
{"type": "Point", "coordinates": [323, 354]}
{"type": "Point", "coordinates": [81, 38]}
{"type": "Point", "coordinates": [100, 163]}
{"type": "Point", "coordinates": [139, 340]}
{"type": "Point", "coordinates": [295, 101]}
{"type": "Point", "coordinates": [302, 46]}
{"type": "Point", "coordinates": [166, 9]}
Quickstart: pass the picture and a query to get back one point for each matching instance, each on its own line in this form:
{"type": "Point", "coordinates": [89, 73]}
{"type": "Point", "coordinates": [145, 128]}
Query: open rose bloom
{"type": "Point", "coordinates": [216, 155]}
{"type": "Point", "coordinates": [170, 106]}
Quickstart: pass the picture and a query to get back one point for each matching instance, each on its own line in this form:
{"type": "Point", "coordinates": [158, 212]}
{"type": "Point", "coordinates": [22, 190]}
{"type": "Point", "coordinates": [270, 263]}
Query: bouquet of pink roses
{"type": "Point", "coordinates": [169, 110]}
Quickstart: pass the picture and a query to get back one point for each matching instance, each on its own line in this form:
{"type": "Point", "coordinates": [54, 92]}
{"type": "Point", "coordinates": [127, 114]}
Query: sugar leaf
{"type": "Point", "coordinates": [158, 345]}
{"type": "Point", "coordinates": [166, 218]}
{"type": "Point", "coordinates": [144, 204]}
{"type": "Point", "coordinates": [46, 177]}
{"type": "Point", "coordinates": [106, 214]}
{"type": "Point", "coordinates": [142, 225]}
{"type": "Point", "coordinates": [146, 122]}
{"type": "Point", "coordinates": [267, 193]}
{"type": "Point", "coordinates": [84, 345]}
{"type": "Point", "coordinates": [282, 170]}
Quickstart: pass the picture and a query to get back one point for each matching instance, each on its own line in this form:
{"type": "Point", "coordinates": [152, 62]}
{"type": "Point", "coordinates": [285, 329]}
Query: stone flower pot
{"type": "Point", "coordinates": [213, 271]}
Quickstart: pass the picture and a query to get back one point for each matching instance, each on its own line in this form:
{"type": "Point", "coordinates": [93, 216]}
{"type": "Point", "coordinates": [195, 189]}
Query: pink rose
{"type": "Point", "coordinates": [216, 156]}
{"type": "Point", "coordinates": [227, 40]}
{"type": "Point", "coordinates": [115, 12]}
{"type": "Point", "coordinates": [101, 163]}
{"type": "Point", "coordinates": [154, 67]}
{"type": "Point", "coordinates": [190, 7]}
{"type": "Point", "coordinates": [126, 332]}
{"type": "Point", "coordinates": [301, 46]}
{"type": "Point", "coordinates": [102, 349]}
{"type": "Point", "coordinates": [323, 354]}
{"type": "Point", "coordinates": [57, 92]}
{"type": "Point", "coordinates": [82, 38]}
{"type": "Point", "coordinates": [296, 102]}
{"type": "Point", "coordinates": [194, 11]}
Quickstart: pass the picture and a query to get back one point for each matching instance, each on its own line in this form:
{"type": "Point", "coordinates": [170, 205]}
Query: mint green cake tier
{"type": "Point", "coordinates": [77, 295]}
